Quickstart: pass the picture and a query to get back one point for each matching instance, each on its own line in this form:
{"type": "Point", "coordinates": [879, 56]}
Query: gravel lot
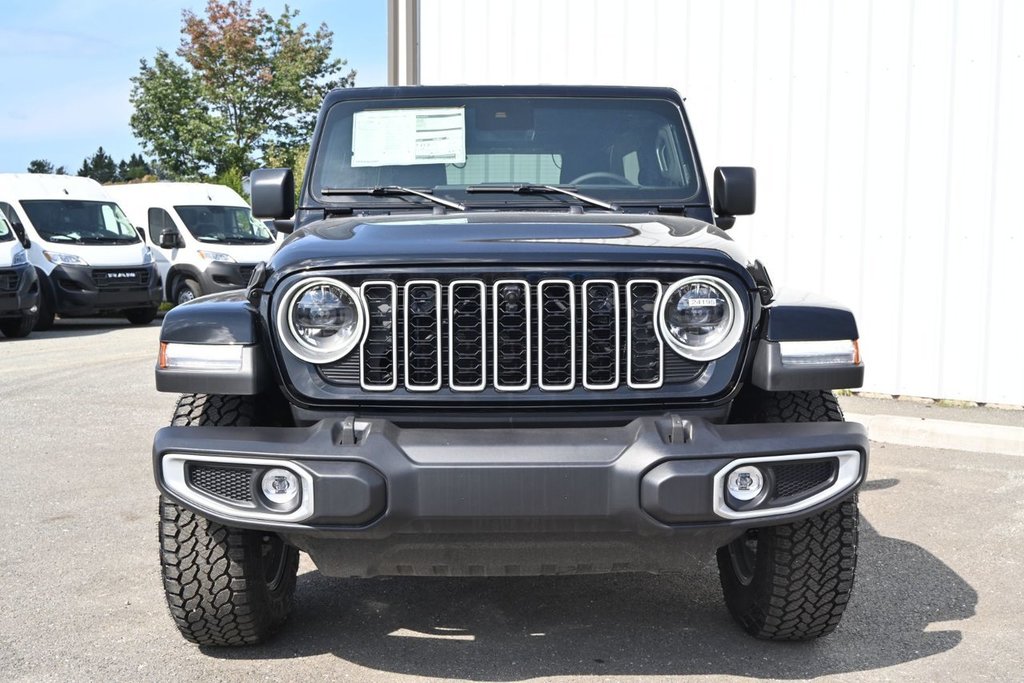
{"type": "Point", "coordinates": [939, 589]}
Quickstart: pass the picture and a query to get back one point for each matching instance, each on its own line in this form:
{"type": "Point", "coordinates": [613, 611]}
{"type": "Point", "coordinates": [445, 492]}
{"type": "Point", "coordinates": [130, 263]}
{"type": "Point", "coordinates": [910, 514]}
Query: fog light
{"type": "Point", "coordinates": [281, 488]}
{"type": "Point", "coordinates": [745, 483]}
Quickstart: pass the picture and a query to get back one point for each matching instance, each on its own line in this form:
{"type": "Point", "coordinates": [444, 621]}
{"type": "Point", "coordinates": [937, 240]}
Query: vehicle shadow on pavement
{"type": "Point", "coordinates": [506, 629]}
{"type": "Point", "coordinates": [79, 327]}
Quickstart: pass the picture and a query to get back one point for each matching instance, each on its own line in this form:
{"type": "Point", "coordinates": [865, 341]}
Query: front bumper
{"type": "Point", "coordinates": [379, 498]}
{"type": "Point", "coordinates": [76, 291]}
{"type": "Point", "coordinates": [24, 297]}
{"type": "Point", "coordinates": [220, 276]}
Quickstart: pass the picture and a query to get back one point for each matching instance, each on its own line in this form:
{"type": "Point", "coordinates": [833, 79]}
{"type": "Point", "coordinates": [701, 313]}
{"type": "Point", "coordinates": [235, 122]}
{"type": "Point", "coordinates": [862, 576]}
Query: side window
{"type": "Point", "coordinates": [12, 218]}
{"type": "Point", "coordinates": [158, 220]}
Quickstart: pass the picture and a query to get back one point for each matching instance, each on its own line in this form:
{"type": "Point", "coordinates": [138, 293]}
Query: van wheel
{"type": "Point", "coordinates": [186, 290]}
{"type": "Point", "coordinates": [141, 316]}
{"type": "Point", "coordinates": [45, 314]}
{"type": "Point", "coordinates": [19, 327]}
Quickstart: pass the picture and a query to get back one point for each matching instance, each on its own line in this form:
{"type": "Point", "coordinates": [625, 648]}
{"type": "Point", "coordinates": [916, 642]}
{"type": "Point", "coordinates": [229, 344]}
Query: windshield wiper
{"type": "Point", "coordinates": [391, 190]}
{"type": "Point", "coordinates": [528, 188]}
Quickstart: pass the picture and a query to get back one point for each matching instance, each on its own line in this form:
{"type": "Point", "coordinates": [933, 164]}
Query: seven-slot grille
{"type": "Point", "coordinates": [114, 278]}
{"type": "Point", "coordinates": [8, 280]}
{"type": "Point", "coordinates": [510, 335]}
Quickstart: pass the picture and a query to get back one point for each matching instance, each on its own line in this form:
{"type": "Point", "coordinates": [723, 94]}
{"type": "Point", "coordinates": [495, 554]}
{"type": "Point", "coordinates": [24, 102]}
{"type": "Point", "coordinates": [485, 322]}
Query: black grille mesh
{"type": "Point", "coordinates": [233, 483]}
{"type": "Point", "coordinates": [556, 344]}
{"type": "Point", "coordinates": [512, 312]}
{"type": "Point", "coordinates": [601, 367]}
{"type": "Point", "coordinates": [378, 368]}
{"type": "Point", "coordinates": [116, 278]}
{"type": "Point", "coordinates": [8, 281]}
{"type": "Point", "coordinates": [794, 479]}
{"type": "Point", "coordinates": [467, 335]}
{"type": "Point", "coordinates": [645, 359]}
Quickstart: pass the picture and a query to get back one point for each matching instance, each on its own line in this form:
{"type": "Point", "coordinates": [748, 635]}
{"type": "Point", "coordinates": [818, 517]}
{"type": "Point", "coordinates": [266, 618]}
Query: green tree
{"type": "Point", "coordinates": [250, 83]}
{"type": "Point", "coordinates": [135, 168]}
{"type": "Point", "coordinates": [40, 166]}
{"type": "Point", "coordinates": [100, 167]}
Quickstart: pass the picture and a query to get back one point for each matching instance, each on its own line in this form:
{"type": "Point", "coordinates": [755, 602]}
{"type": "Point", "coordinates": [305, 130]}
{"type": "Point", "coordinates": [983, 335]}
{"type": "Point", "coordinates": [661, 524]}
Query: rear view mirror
{"type": "Point", "coordinates": [735, 193]}
{"type": "Point", "coordinates": [273, 193]}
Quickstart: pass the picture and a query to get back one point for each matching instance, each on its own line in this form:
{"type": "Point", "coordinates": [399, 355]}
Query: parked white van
{"type": "Point", "coordinates": [203, 236]}
{"type": "Point", "coordinates": [19, 287]}
{"type": "Point", "coordinates": [88, 257]}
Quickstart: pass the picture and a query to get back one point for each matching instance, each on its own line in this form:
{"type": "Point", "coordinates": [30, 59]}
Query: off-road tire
{"type": "Point", "coordinates": [224, 586]}
{"type": "Point", "coordinates": [793, 581]}
{"type": "Point", "coordinates": [141, 316]}
{"type": "Point", "coordinates": [186, 289]}
{"type": "Point", "coordinates": [18, 327]}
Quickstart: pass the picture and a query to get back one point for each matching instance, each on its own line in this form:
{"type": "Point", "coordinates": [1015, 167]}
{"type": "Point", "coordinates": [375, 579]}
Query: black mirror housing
{"type": "Point", "coordinates": [273, 193]}
{"type": "Point", "coordinates": [735, 190]}
{"type": "Point", "coordinates": [169, 238]}
{"type": "Point", "coordinates": [19, 232]}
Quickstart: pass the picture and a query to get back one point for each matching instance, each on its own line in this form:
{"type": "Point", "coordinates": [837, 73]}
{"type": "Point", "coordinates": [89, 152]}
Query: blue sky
{"type": "Point", "coordinates": [65, 67]}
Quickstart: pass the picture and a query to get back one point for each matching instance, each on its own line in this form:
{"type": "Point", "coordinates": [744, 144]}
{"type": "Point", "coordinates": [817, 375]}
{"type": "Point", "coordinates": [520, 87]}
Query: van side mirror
{"type": "Point", "coordinates": [142, 234]}
{"type": "Point", "coordinates": [735, 193]}
{"type": "Point", "coordinates": [170, 238]}
{"type": "Point", "coordinates": [19, 230]}
{"type": "Point", "coordinates": [273, 193]}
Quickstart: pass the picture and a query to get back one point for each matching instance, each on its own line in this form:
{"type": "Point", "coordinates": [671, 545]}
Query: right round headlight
{"type": "Point", "coordinates": [320, 320]}
{"type": "Point", "coordinates": [702, 317]}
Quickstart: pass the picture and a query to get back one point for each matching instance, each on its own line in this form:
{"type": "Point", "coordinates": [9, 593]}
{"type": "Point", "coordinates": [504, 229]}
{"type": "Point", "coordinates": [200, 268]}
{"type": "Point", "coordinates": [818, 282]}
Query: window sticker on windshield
{"type": "Point", "coordinates": [405, 137]}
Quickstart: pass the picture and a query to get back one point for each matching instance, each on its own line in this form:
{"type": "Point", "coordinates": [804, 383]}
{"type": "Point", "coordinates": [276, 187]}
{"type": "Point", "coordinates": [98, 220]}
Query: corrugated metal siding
{"type": "Point", "coordinates": [888, 138]}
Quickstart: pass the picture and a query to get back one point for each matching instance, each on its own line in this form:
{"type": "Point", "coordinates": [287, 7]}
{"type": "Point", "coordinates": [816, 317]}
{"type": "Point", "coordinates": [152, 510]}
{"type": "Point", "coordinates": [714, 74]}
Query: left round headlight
{"type": "Point", "coordinates": [320, 320]}
{"type": "Point", "coordinates": [702, 317]}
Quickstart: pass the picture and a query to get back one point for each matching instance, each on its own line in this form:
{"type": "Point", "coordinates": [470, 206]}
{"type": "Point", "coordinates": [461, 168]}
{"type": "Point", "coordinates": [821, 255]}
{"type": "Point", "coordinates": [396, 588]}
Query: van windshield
{"type": "Point", "coordinates": [6, 233]}
{"type": "Point", "coordinates": [74, 221]}
{"type": "Point", "coordinates": [224, 224]}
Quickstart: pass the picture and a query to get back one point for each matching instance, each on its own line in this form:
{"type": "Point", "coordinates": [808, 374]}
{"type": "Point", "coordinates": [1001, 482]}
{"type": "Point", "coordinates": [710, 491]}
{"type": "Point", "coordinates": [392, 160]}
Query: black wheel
{"type": "Point", "coordinates": [45, 313]}
{"type": "Point", "coordinates": [16, 328]}
{"type": "Point", "coordinates": [793, 581]}
{"type": "Point", "coordinates": [185, 290]}
{"type": "Point", "coordinates": [224, 586]}
{"type": "Point", "coordinates": [141, 316]}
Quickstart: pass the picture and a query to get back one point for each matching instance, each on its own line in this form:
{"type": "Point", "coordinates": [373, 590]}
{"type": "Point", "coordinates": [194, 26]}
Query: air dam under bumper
{"type": "Point", "coordinates": [379, 499]}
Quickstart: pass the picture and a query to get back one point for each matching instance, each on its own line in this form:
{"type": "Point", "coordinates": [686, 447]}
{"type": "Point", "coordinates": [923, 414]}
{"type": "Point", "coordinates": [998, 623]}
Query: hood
{"type": "Point", "coordinates": [96, 255]}
{"type": "Point", "coordinates": [508, 238]}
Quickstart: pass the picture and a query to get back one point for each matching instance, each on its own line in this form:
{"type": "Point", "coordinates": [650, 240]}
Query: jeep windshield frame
{"type": "Point", "coordinates": [612, 148]}
{"type": "Point", "coordinates": [80, 221]}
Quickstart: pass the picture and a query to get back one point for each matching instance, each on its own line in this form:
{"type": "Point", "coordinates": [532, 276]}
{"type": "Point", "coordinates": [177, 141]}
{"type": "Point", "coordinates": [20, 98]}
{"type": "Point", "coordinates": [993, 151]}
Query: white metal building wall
{"type": "Point", "coordinates": [888, 137]}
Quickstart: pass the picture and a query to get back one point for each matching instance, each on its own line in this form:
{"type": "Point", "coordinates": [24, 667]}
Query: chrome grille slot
{"type": "Point", "coordinates": [601, 365]}
{"type": "Point", "coordinates": [422, 335]}
{"type": "Point", "coordinates": [378, 354]}
{"type": "Point", "coordinates": [644, 346]}
{"type": "Point", "coordinates": [512, 321]}
{"type": "Point", "coordinates": [556, 335]}
{"type": "Point", "coordinates": [467, 335]}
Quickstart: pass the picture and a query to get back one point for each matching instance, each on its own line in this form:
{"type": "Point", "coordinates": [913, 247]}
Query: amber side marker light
{"type": "Point", "coordinates": [161, 359]}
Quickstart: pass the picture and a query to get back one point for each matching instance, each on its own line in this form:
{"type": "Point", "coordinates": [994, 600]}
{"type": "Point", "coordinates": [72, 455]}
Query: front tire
{"type": "Point", "coordinates": [224, 586]}
{"type": "Point", "coordinates": [46, 312]}
{"type": "Point", "coordinates": [792, 581]}
{"type": "Point", "coordinates": [186, 290]}
{"type": "Point", "coordinates": [19, 327]}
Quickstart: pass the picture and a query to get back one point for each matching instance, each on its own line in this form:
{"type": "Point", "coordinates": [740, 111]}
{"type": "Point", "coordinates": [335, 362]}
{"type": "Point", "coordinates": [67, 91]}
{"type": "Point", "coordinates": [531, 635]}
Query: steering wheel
{"type": "Point", "coordinates": [594, 175]}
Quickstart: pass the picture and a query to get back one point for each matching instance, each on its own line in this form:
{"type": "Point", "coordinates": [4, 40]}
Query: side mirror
{"type": "Point", "coordinates": [142, 234]}
{"type": "Point", "coordinates": [735, 193]}
{"type": "Point", "coordinates": [273, 192]}
{"type": "Point", "coordinates": [19, 230]}
{"type": "Point", "coordinates": [170, 238]}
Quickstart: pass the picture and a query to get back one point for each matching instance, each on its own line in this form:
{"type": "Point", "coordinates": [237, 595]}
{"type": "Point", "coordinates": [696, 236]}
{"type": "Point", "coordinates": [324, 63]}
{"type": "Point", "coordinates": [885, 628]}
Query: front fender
{"type": "Point", "coordinates": [217, 323]}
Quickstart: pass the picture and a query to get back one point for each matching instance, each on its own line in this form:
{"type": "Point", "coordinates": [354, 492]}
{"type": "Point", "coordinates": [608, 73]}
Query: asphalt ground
{"type": "Point", "coordinates": [938, 595]}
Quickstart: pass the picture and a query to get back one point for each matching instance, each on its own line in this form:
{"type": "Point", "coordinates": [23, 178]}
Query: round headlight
{"type": "Point", "coordinates": [701, 317]}
{"type": "Point", "coordinates": [320, 320]}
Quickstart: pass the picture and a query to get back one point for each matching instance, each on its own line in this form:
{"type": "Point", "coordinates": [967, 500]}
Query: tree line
{"type": "Point", "coordinates": [242, 89]}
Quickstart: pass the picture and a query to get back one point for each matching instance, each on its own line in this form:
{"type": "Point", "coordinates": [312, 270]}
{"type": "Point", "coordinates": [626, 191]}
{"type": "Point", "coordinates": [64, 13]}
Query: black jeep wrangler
{"type": "Point", "coordinates": [508, 336]}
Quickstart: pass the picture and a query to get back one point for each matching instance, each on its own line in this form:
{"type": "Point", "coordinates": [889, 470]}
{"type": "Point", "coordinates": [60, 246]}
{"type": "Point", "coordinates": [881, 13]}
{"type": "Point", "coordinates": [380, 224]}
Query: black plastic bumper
{"type": "Point", "coordinates": [220, 276]}
{"type": "Point", "coordinates": [390, 500]}
{"type": "Point", "coordinates": [24, 296]}
{"type": "Point", "coordinates": [75, 290]}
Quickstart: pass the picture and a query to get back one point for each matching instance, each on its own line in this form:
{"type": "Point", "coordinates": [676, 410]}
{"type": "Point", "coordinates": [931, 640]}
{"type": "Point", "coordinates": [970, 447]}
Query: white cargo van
{"type": "Point", "coordinates": [203, 236]}
{"type": "Point", "coordinates": [19, 287]}
{"type": "Point", "coordinates": [88, 257]}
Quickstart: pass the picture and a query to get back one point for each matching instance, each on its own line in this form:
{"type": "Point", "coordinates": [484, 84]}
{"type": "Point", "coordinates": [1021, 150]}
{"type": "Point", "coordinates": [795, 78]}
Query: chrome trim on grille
{"type": "Point", "coordinates": [617, 343]}
{"type": "Point", "coordinates": [451, 336]}
{"type": "Point", "coordinates": [497, 345]}
{"type": "Point", "coordinates": [657, 335]}
{"type": "Point", "coordinates": [541, 318]}
{"type": "Point", "coordinates": [434, 386]}
{"type": "Point", "coordinates": [391, 386]}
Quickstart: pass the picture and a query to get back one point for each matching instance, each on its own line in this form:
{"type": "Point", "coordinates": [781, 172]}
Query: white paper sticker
{"type": "Point", "coordinates": [404, 137]}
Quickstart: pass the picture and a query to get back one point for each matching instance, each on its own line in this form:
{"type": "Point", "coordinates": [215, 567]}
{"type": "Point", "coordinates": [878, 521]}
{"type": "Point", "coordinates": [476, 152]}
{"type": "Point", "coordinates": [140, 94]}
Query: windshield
{"type": "Point", "coordinates": [224, 224]}
{"type": "Point", "coordinates": [80, 222]}
{"type": "Point", "coordinates": [6, 233]}
{"type": "Point", "coordinates": [610, 148]}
